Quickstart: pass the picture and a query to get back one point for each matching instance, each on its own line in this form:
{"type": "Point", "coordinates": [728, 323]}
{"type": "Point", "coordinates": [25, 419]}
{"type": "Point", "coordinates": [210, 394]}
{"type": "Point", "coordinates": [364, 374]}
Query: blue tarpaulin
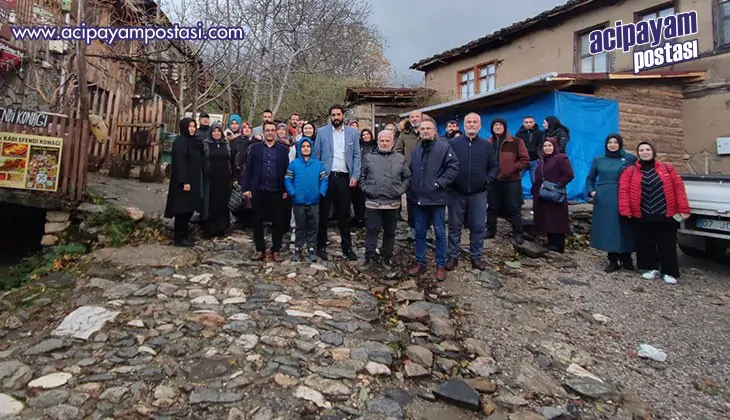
{"type": "Point", "coordinates": [589, 119]}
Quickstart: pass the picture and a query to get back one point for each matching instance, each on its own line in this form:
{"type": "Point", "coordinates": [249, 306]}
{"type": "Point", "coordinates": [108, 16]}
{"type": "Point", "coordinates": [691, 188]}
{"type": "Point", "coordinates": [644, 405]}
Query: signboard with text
{"type": "Point", "coordinates": [23, 117]}
{"type": "Point", "coordinates": [30, 162]}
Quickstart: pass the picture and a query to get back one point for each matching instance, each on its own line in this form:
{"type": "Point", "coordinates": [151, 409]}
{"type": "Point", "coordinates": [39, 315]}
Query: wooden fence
{"type": "Point", "coordinates": [74, 157]}
{"type": "Point", "coordinates": [106, 105]}
{"type": "Point", "coordinates": [146, 116]}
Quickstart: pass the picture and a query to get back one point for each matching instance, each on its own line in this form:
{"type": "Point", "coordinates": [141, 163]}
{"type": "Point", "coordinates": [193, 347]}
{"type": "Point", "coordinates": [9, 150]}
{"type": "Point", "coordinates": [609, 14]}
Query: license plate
{"type": "Point", "coordinates": [710, 224]}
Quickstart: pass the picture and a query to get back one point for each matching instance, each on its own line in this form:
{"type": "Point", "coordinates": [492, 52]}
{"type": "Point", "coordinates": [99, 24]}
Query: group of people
{"type": "Point", "coordinates": [291, 174]}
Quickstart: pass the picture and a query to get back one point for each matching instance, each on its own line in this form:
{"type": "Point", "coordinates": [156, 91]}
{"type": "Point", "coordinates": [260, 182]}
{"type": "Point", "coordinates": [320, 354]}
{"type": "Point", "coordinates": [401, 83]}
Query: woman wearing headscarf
{"type": "Point", "coordinates": [237, 142]}
{"type": "Point", "coordinates": [556, 130]}
{"type": "Point", "coordinates": [652, 195]}
{"type": "Point", "coordinates": [218, 171]}
{"type": "Point", "coordinates": [186, 189]}
{"type": "Point", "coordinates": [552, 218]}
{"type": "Point", "coordinates": [609, 231]}
{"type": "Point", "coordinates": [367, 145]}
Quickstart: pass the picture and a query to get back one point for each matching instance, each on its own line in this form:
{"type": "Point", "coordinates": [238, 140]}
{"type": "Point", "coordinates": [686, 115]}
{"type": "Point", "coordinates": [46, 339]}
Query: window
{"type": "Point", "coordinates": [487, 77]}
{"type": "Point", "coordinates": [722, 15]}
{"type": "Point", "coordinates": [466, 84]}
{"type": "Point", "coordinates": [662, 11]}
{"type": "Point", "coordinates": [588, 63]}
{"type": "Point", "coordinates": [479, 79]}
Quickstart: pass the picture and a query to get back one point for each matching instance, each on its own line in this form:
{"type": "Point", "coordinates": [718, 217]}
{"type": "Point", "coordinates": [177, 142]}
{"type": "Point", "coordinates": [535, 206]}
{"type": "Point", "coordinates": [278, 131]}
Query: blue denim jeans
{"type": "Point", "coordinates": [423, 217]}
{"type": "Point", "coordinates": [531, 170]}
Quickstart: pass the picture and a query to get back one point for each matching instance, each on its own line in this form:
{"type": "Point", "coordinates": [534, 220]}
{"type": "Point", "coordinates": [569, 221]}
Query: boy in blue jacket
{"type": "Point", "coordinates": [306, 182]}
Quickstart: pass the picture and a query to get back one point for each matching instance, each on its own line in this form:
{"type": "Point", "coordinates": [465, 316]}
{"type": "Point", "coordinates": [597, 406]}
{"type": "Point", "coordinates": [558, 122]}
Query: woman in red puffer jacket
{"type": "Point", "coordinates": [652, 195]}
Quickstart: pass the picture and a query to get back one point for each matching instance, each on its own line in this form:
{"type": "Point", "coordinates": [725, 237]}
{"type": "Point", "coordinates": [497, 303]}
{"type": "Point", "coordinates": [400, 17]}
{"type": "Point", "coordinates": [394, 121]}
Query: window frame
{"type": "Point", "coordinates": [577, 54]}
{"type": "Point", "coordinates": [654, 10]}
{"type": "Point", "coordinates": [476, 71]}
{"type": "Point", "coordinates": [718, 25]}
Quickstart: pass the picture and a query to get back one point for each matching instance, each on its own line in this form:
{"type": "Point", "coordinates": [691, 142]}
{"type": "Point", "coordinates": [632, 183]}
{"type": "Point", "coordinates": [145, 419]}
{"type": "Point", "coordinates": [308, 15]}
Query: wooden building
{"type": "Point", "coordinates": [374, 108]}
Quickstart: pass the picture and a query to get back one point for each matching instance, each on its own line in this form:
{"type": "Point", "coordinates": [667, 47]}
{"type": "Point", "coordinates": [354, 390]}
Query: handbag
{"type": "Point", "coordinates": [236, 201]}
{"type": "Point", "coordinates": [551, 191]}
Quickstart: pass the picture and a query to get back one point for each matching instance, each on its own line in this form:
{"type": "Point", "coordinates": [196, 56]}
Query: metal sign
{"type": "Point", "coordinates": [23, 117]}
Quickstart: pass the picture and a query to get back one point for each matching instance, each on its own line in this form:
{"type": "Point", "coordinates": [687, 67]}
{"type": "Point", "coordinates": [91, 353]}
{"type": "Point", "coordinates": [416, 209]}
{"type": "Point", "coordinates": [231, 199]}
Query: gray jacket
{"type": "Point", "coordinates": [384, 178]}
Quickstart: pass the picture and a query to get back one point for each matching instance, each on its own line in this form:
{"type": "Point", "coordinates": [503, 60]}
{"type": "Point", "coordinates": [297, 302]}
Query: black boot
{"type": "Point", "coordinates": [626, 262]}
{"type": "Point", "coordinates": [185, 242]}
{"type": "Point", "coordinates": [611, 267]}
{"type": "Point", "coordinates": [520, 238]}
{"type": "Point", "coordinates": [369, 264]}
{"type": "Point", "coordinates": [613, 264]}
{"type": "Point", "coordinates": [386, 264]}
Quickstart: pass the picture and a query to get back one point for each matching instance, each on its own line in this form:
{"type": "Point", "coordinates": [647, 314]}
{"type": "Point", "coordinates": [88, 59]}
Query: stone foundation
{"type": "Point", "coordinates": [57, 223]}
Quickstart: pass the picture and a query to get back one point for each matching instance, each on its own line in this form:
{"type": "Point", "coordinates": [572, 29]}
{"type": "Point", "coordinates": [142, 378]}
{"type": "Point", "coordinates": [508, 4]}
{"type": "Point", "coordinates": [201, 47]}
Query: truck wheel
{"type": "Point", "coordinates": [715, 249]}
{"type": "Point", "coordinates": [692, 251]}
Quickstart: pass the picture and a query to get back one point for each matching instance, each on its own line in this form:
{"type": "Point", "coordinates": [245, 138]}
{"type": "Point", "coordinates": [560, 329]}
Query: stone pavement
{"type": "Point", "coordinates": [165, 333]}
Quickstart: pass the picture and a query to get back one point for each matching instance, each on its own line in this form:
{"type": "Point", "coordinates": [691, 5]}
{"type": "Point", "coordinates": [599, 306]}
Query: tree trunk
{"type": "Point", "coordinates": [194, 108]}
{"type": "Point", "coordinates": [83, 90]}
{"type": "Point", "coordinates": [181, 97]}
{"type": "Point", "coordinates": [285, 79]}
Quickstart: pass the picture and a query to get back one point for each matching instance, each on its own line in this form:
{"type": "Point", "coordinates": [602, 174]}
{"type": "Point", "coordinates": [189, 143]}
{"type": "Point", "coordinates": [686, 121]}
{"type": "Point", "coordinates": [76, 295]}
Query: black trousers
{"type": "Point", "coordinates": [268, 206]}
{"type": "Point", "coordinates": [556, 242]}
{"type": "Point", "coordinates": [306, 219]}
{"type": "Point", "coordinates": [338, 194]}
{"type": "Point", "coordinates": [505, 200]}
{"type": "Point", "coordinates": [656, 246]}
{"type": "Point", "coordinates": [181, 229]}
{"type": "Point", "coordinates": [375, 221]}
{"type": "Point", "coordinates": [358, 204]}
{"type": "Point", "coordinates": [286, 214]}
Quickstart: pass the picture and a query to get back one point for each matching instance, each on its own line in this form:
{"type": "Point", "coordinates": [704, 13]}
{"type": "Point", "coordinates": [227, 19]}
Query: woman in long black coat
{"type": "Point", "coordinates": [186, 188]}
{"type": "Point", "coordinates": [218, 172]}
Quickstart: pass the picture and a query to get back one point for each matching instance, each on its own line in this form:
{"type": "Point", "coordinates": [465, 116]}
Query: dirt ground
{"type": "Point", "coordinates": [543, 301]}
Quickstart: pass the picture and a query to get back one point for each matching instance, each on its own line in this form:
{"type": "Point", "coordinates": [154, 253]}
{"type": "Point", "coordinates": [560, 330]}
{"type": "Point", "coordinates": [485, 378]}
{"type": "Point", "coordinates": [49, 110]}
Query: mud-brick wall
{"type": "Point", "coordinates": [650, 112]}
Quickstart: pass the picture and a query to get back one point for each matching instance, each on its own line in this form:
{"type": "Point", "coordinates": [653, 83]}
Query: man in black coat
{"type": "Point", "coordinates": [263, 183]}
{"type": "Point", "coordinates": [533, 137]}
{"type": "Point", "coordinates": [468, 196]}
{"type": "Point", "coordinates": [434, 167]}
{"type": "Point", "coordinates": [185, 193]}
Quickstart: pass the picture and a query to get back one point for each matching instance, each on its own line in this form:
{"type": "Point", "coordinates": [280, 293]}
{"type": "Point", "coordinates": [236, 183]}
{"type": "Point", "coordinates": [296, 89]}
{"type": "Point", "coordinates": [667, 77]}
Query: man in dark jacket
{"type": "Point", "coordinates": [468, 196]}
{"type": "Point", "coordinates": [384, 178]}
{"type": "Point", "coordinates": [533, 137]}
{"type": "Point", "coordinates": [203, 126]}
{"type": "Point", "coordinates": [505, 193]}
{"type": "Point", "coordinates": [434, 167]}
{"type": "Point", "coordinates": [452, 130]}
{"type": "Point", "coordinates": [263, 182]}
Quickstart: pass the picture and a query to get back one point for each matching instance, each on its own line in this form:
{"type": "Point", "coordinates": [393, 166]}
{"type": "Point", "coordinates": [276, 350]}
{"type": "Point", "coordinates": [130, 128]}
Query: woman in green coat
{"type": "Point", "coordinates": [609, 231]}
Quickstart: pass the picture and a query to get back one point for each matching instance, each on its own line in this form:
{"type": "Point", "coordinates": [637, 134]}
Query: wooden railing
{"type": "Point", "coordinates": [74, 155]}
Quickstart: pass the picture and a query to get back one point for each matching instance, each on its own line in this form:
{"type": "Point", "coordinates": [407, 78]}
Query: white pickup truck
{"type": "Point", "coordinates": [706, 233]}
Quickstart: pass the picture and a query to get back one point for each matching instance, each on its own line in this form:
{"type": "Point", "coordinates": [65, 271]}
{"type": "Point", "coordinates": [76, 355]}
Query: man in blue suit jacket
{"type": "Point", "coordinates": [338, 148]}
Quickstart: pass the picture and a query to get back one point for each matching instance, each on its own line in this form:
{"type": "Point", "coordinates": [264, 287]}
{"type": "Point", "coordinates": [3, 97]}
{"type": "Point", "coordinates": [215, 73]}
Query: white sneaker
{"type": "Point", "coordinates": [669, 279]}
{"type": "Point", "coordinates": [651, 275]}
